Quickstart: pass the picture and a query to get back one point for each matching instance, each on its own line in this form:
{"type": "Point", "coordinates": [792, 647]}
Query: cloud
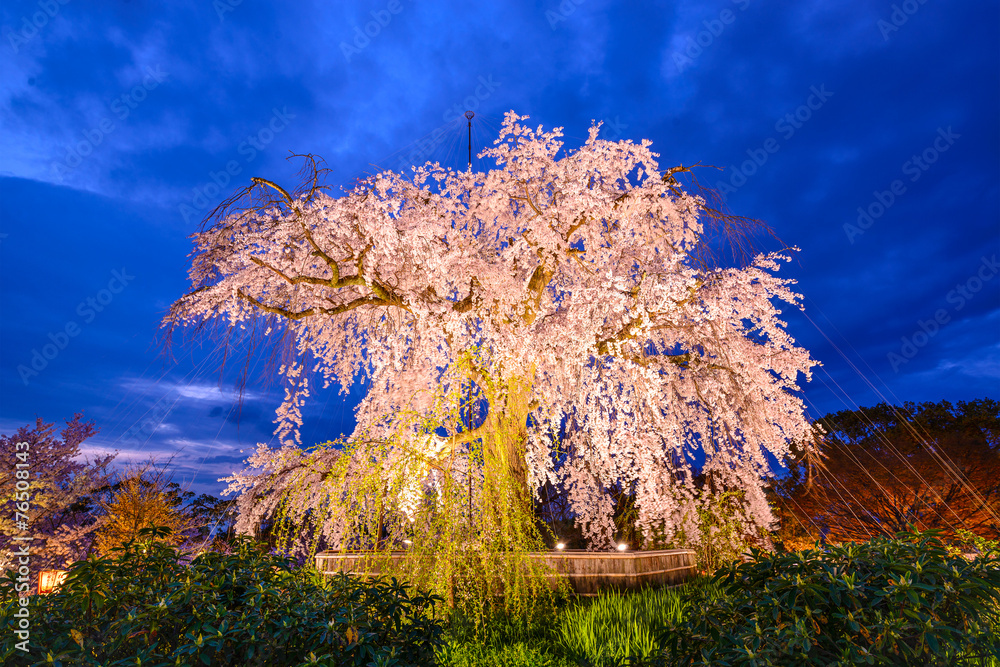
{"type": "Point", "coordinates": [186, 392]}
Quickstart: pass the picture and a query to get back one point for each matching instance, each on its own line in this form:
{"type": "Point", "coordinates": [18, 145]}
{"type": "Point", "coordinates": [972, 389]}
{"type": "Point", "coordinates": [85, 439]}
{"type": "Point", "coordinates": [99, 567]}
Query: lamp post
{"type": "Point", "coordinates": [468, 116]}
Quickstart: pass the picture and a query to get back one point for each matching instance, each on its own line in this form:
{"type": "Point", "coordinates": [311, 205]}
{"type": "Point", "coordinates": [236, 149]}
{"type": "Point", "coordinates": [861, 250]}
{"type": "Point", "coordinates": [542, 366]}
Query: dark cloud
{"type": "Point", "coordinates": [119, 123]}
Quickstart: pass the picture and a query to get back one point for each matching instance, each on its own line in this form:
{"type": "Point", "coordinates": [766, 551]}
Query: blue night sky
{"type": "Point", "coordinates": [864, 132]}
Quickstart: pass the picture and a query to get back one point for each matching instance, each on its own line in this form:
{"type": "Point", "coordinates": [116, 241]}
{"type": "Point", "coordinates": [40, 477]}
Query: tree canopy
{"type": "Point", "coordinates": [886, 468]}
{"type": "Point", "coordinates": [569, 292]}
{"type": "Point", "coordinates": [60, 501]}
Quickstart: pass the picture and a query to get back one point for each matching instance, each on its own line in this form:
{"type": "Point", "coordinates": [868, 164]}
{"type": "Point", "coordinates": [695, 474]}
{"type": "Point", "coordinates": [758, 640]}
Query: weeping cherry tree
{"type": "Point", "coordinates": [569, 302]}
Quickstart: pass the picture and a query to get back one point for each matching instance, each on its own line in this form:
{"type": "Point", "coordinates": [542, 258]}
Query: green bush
{"type": "Point", "coordinates": [144, 605]}
{"type": "Point", "coordinates": [902, 601]}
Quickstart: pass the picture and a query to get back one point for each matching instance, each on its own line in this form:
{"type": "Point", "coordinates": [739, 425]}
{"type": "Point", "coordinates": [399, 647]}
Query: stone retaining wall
{"type": "Point", "coordinates": [588, 572]}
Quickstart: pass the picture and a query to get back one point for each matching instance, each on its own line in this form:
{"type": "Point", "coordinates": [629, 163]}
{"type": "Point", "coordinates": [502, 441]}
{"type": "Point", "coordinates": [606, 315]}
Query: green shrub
{"type": "Point", "coordinates": [902, 601]}
{"type": "Point", "coordinates": [143, 605]}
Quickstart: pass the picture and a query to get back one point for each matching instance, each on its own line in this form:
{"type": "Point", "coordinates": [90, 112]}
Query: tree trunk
{"type": "Point", "coordinates": [505, 444]}
{"type": "Point", "coordinates": [507, 512]}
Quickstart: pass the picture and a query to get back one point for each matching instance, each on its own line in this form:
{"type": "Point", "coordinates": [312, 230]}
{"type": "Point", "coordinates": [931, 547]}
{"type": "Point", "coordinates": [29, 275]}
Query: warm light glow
{"type": "Point", "coordinates": [622, 547]}
{"type": "Point", "coordinates": [49, 580]}
{"type": "Point", "coordinates": [407, 542]}
{"type": "Point", "coordinates": [560, 546]}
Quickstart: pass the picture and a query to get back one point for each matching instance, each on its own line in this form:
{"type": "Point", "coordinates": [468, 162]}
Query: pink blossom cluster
{"type": "Point", "coordinates": [575, 273]}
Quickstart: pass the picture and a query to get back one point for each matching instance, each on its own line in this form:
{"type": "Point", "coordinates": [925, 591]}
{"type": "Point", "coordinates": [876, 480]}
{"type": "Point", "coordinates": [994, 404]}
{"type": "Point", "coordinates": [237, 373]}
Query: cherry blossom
{"type": "Point", "coordinates": [61, 496]}
{"type": "Point", "coordinates": [574, 283]}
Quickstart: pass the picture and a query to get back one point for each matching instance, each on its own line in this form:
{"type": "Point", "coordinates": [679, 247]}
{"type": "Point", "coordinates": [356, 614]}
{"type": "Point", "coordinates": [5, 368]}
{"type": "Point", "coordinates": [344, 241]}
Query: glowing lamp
{"type": "Point", "coordinates": [49, 580]}
{"type": "Point", "coordinates": [560, 546]}
{"type": "Point", "coordinates": [407, 542]}
{"type": "Point", "coordinates": [622, 547]}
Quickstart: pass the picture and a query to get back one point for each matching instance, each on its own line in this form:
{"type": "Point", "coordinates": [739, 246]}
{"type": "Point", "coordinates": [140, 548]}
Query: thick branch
{"type": "Point", "coordinates": [272, 184]}
{"type": "Point", "coordinates": [302, 314]}
{"type": "Point", "coordinates": [465, 305]}
{"type": "Point", "coordinates": [311, 280]}
{"type": "Point", "coordinates": [317, 251]}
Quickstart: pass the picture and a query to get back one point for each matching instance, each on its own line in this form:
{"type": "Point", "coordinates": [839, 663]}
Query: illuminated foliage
{"type": "Point", "coordinates": [563, 292]}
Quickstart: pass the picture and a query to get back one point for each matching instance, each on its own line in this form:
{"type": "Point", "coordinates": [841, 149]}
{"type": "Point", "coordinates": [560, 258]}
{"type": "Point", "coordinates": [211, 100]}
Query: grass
{"type": "Point", "coordinates": [598, 632]}
{"type": "Point", "coordinates": [617, 626]}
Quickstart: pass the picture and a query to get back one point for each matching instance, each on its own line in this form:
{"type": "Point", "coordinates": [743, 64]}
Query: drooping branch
{"type": "Point", "coordinates": [542, 264]}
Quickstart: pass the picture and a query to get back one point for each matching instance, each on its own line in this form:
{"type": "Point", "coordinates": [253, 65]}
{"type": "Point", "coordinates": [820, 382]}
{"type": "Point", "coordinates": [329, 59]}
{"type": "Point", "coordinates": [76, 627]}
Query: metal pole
{"type": "Point", "coordinates": [469, 115]}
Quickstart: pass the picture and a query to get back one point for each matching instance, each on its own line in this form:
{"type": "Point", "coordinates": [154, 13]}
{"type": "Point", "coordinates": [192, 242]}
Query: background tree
{"type": "Point", "coordinates": [556, 287]}
{"type": "Point", "coordinates": [214, 520]}
{"type": "Point", "coordinates": [144, 497]}
{"type": "Point", "coordinates": [64, 490]}
{"type": "Point", "coordinates": [932, 465]}
{"type": "Point", "coordinates": [211, 517]}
